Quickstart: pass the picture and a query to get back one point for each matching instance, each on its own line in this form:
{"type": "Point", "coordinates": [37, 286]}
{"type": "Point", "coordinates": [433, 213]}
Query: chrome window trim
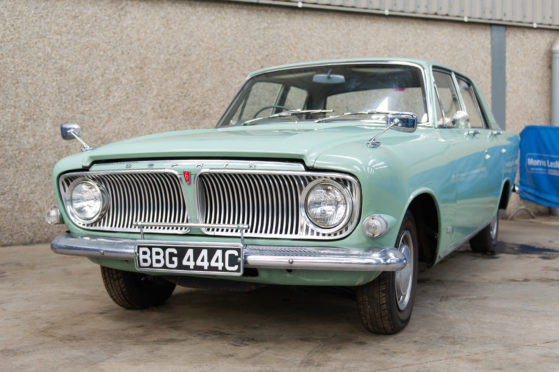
{"type": "Point", "coordinates": [458, 92]}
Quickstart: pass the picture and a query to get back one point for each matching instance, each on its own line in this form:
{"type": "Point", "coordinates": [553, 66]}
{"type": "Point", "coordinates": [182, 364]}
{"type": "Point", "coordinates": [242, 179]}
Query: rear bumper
{"type": "Point", "coordinates": [255, 256]}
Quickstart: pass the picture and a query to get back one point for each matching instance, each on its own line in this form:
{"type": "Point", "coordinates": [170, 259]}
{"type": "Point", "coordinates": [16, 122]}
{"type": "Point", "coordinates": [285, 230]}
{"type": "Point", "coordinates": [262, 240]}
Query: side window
{"type": "Point", "coordinates": [472, 106]}
{"type": "Point", "coordinates": [448, 98]}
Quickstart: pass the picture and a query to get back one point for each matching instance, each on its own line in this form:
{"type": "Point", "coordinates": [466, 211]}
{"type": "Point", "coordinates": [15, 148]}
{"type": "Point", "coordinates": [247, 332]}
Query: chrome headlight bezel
{"type": "Point", "coordinates": [100, 210]}
{"type": "Point", "coordinates": [317, 225]}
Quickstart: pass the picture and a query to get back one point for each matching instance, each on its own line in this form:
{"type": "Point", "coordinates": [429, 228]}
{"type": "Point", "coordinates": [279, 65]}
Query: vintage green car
{"type": "Point", "coordinates": [334, 173]}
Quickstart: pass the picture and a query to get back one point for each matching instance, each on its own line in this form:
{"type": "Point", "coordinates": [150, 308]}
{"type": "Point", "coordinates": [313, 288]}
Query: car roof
{"type": "Point", "coordinates": [425, 64]}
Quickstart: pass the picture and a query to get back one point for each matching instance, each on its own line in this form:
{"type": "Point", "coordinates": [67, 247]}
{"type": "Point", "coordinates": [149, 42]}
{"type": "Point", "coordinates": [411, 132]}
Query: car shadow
{"type": "Point", "coordinates": [298, 312]}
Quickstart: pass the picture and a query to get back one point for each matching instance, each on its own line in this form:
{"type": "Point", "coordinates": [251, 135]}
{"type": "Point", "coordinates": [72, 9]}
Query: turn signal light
{"type": "Point", "coordinates": [375, 226]}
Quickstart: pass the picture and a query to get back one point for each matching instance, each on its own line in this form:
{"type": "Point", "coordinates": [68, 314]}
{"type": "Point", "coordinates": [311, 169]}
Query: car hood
{"type": "Point", "coordinates": [302, 141]}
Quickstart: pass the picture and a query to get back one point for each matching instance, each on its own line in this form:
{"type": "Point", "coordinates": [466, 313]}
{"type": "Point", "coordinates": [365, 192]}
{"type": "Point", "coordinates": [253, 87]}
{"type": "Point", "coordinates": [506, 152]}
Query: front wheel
{"type": "Point", "coordinates": [135, 291]}
{"type": "Point", "coordinates": [386, 303]}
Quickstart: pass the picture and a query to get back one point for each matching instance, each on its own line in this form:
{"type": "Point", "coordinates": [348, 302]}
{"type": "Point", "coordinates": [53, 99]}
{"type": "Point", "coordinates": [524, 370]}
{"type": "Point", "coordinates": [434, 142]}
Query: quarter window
{"type": "Point", "coordinates": [448, 98]}
{"type": "Point", "coordinates": [471, 103]}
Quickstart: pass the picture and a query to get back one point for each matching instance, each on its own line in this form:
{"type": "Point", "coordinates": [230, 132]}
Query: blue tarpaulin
{"type": "Point", "coordinates": [539, 165]}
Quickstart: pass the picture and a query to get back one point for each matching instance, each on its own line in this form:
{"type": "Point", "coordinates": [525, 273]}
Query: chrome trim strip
{"type": "Point", "coordinates": [240, 228]}
{"type": "Point", "coordinates": [255, 256]}
{"type": "Point", "coordinates": [319, 258]}
{"type": "Point", "coordinates": [97, 247]}
{"type": "Point", "coordinates": [194, 225]}
{"type": "Point", "coordinates": [154, 165]}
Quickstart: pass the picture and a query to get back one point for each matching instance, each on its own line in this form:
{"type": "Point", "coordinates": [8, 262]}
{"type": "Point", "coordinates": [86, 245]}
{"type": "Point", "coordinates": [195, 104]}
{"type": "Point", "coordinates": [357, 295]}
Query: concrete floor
{"type": "Point", "coordinates": [472, 312]}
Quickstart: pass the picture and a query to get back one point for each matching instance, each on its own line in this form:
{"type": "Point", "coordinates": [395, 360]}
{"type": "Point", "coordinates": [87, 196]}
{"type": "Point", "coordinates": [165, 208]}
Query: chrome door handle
{"type": "Point", "coordinates": [472, 133]}
{"type": "Point", "coordinates": [496, 133]}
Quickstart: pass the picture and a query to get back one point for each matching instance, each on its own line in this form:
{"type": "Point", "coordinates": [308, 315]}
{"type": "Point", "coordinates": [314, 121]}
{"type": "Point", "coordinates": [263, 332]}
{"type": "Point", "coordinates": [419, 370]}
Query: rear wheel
{"type": "Point", "coordinates": [386, 303]}
{"type": "Point", "coordinates": [486, 240]}
{"type": "Point", "coordinates": [135, 291]}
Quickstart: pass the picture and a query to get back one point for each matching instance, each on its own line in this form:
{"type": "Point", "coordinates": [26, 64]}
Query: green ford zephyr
{"type": "Point", "coordinates": [335, 173]}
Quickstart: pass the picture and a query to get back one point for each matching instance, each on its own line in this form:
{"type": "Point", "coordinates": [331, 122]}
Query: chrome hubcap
{"type": "Point", "coordinates": [404, 277]}
{"type": "Point", "coordinates": [493, 228]}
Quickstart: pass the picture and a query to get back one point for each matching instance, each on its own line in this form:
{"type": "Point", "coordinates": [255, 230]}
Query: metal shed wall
{"type": "Point", "coordinates": [523, 13]}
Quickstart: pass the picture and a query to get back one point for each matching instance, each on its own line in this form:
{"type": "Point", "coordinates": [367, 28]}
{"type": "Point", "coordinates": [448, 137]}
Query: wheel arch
{"type": "Point", "coordinates": [506, 193]}
{"type": "Point", "coordinates": [425, 211]}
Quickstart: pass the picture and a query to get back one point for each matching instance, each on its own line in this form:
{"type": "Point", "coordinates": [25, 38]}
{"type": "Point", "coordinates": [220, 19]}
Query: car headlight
{"type": "Point", "coordinates": [87, 201]}
{"type": "Point", "coordinates": [327, 204]}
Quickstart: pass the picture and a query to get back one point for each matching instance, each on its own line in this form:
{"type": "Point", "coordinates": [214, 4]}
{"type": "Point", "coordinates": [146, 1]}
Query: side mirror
{"type": "Point", "coordinates": [70, 131]}
{"type": "Point", "coordinates": [403, 121]}
{"type": "Point", "coordinates": [460, 119]}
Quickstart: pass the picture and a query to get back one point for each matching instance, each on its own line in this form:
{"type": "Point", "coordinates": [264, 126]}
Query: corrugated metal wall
{"type": "Point", "coordinates": [525, 13]}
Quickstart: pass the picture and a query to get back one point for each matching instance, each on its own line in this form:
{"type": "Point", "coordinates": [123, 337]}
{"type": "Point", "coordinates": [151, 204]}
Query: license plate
{"type": "Point", "coordinates": [211, 260]}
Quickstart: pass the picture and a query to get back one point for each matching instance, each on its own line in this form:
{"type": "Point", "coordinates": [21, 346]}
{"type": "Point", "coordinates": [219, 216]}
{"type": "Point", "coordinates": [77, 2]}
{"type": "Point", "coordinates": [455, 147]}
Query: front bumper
{"type": "Point", "coordinates": [255, 256]}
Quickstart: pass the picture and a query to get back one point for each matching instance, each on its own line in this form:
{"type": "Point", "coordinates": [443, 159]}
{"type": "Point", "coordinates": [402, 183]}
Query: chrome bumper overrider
{"type": "Point", "coordinates": [255, 256]}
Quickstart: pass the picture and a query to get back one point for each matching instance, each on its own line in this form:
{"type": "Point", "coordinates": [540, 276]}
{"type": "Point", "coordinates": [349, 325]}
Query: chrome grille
{"type": "Point", "coordinates": [138, 196]}
{"type": "Point", "coordinates": [268, 202]}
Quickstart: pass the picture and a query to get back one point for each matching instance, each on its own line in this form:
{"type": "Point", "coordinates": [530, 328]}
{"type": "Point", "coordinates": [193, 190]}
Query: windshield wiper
{"type": "Point", "coordinates": [288, 113]}
{"type": "Point", "coordinates": [370, 112]}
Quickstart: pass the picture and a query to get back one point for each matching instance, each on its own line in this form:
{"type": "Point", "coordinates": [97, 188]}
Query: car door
{"type": "Point", "coordinates": [488, 187]}
{"type": "Point", "coordinates": [466, 158]}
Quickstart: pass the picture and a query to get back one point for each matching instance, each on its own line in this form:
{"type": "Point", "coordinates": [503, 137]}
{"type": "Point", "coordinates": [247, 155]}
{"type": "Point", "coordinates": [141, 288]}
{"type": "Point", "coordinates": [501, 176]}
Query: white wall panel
{"type": "Point", "coordinates": [527, 13]}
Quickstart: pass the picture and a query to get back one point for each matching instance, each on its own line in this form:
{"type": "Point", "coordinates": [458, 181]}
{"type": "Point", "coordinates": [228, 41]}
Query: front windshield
{"type": "Point", "coordinates": [321, 92]}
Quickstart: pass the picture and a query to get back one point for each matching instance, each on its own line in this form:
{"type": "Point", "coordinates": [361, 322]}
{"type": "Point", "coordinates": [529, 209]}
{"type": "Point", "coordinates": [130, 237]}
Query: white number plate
{"type": "Point", "coordinates": [195, 260]}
